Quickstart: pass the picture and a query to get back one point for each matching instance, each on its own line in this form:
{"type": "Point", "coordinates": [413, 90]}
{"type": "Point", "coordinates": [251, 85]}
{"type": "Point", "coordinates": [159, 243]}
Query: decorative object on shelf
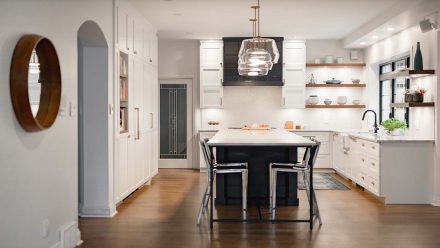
{"type": "Point", "coordinates": [415, 95]}
{"type": "Point", "coordinates": [257, 55]}
{"type": "Point", "coordinates": [333, 81]}
{"type": "Point", "coordinates": [313, 100]}
{"type": "Point", "coordinates": [328, 59]}
{"type": "Point", "coordinates": [339, 60]}
{"type": "Point", "coordinates": [213, 124]}
{"type": "Point", "coordinates": [418, 59]}
{"type": "Point", "coordinates": [317, 61]}
{"type": "Point", "coordinates": [312, 79]}
{"type": "Point", "coordinates": [394, 126]}
{"type": "Point", "coordinates": [355, 81]}
{"type": "Point", "coordinates": [342, 100]}
{"type": "Point", "coordinates": [418, 95]}
{"type": "Point", "coordinates": [298, 126]}
{"type": "Point", "coordinates": [327, 101]}
{"type": "Point", "coordinates": [354, 55]}
{"type": "Point", "coordinates": [289, 125]}
{"type": "Point", "coordinates": [35, 82]}
{"type": "Point", "coordinates": [356, 101]}
{"type": "Point", "coordinates": [409, 96]}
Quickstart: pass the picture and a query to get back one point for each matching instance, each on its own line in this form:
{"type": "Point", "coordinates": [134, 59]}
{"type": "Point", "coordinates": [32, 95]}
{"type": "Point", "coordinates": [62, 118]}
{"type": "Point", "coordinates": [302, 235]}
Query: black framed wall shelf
{"type": "Point", "coordinates": [231, 48]}
{"type": "Point", "coordinates": [406, 73]}
{"type": "Point", "coordinates": [336, 85]}
{"type": "Point", "coordinates": [412, 104]}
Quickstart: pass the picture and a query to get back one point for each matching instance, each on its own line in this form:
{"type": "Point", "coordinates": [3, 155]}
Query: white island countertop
{"type": "Point", "coordinates": [274, 137]}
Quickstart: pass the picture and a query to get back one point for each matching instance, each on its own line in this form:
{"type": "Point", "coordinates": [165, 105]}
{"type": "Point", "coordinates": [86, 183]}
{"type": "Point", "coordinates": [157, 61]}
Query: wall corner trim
{"type": "Point", "coordinates": [97, 211]}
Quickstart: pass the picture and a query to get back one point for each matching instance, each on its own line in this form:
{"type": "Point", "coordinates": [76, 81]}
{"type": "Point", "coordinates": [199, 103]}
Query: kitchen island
{"type": "Point", "coordinates": [258, 148]}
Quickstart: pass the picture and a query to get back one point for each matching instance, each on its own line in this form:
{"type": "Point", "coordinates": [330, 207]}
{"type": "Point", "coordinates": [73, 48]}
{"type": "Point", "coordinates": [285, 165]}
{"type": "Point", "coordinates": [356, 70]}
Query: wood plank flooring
{"type": "Point", "coordinates": [163, 215]}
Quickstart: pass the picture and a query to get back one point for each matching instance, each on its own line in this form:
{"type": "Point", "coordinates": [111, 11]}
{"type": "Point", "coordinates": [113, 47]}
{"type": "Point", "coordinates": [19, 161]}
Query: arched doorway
{"type": "Point", "coordinates": [94, 190]}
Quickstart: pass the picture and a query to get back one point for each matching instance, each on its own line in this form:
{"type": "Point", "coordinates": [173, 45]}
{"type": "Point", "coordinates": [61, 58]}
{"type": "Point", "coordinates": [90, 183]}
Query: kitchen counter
{"type": "Point", "coordinates": [380, 138]}
{"type": "Point", "coordinates": [274, 137]}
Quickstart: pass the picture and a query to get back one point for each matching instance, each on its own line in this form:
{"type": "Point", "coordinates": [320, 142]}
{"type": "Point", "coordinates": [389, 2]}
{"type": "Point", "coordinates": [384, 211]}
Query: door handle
{"type": "Point", "coordinates": [138, 133]}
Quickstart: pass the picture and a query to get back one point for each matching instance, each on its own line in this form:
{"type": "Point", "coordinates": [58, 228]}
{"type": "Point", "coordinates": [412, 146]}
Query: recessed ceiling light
{"type": "Point", "coordinates": [177, 14]}
{"type": "Point", "coordinates": [390, 29]}
{"type": "Point", "coordinates": [363, 43]}
{"type": "Point", "coordinates": [375, 37]}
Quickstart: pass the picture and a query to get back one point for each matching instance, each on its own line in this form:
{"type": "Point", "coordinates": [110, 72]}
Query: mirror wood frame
{"type": "Point", "coordinates": [50, 78]}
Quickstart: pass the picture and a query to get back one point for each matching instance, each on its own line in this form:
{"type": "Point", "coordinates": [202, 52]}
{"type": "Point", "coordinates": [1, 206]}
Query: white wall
{"type": "Point", "coordinates": [321, 48]}
{"type": "Point", "coordinates": [39, 171]}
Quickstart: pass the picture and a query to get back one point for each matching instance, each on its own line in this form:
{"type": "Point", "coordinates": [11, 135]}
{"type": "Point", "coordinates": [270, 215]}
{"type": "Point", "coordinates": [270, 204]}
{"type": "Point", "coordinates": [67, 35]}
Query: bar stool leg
{"type": "Point", "coordinates": [244, 176]}
{"type": "Point", "coordinates": [274, 193]}
{"type": "Point", "coordinates": [270, 187]}
{"type": "Point", "coordinates": [203, 204]}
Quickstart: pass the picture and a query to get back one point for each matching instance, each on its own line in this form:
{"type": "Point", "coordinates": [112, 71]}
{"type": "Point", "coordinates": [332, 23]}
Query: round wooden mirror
{"type": "Point", "coordinates": [35, 82]}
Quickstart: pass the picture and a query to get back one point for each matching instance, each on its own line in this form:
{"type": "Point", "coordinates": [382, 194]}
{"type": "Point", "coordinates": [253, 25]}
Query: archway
{"type": "Point", "coordinates": [94, 190]}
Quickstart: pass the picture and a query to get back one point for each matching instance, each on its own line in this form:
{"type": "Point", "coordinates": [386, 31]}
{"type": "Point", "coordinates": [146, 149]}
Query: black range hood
{"type": "Point", "coordinates": [231, 47]}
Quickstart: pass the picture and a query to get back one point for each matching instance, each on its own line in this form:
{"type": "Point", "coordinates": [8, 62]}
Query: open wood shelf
{"type": "Point", "coordinates": [406, 73]}
{"type": "Point", "coordinates": [336, 85]}
{"type": "Point", "coordinates": [412, 104]}
{"type": "Point", "coordinates": [336, 65]}
{"type": "Point", "coordinates": [360, 106]}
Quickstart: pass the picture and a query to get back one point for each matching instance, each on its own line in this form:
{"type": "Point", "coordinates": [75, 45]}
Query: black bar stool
{"type": "Point", "coordinates": [215, 168]}
{"type": "Point", "coordinates": [305, 167]}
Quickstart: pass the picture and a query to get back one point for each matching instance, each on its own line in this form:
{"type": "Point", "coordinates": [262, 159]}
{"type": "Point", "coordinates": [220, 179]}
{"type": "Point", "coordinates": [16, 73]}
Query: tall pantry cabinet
{"type": "Point", "coordinates": [136, 105]}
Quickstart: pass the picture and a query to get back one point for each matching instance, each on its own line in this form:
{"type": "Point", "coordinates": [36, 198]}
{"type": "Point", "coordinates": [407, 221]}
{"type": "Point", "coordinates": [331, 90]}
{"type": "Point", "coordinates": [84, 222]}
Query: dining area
{"type": "Point", "coordinates": [259, 170]}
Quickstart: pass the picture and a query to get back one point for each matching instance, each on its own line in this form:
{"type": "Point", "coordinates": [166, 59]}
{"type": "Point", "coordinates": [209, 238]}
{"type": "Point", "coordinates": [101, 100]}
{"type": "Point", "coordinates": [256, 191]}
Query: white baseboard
{"type": "Point", "coordinates": [97, 211]}
{"type": "Point", "coordinates": [436, 202]}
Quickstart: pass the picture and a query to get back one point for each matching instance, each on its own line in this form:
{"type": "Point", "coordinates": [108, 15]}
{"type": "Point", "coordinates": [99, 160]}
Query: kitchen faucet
{"type": "Point", "coordinates": [376, 127]}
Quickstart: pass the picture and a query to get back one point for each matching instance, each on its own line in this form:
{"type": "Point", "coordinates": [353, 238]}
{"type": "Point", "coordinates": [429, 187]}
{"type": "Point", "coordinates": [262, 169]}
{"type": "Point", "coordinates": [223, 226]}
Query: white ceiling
{"type": "Point", "coordinates": [300, 19]}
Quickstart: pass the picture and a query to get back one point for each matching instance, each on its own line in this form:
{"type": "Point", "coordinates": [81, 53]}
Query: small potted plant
{"type": "Point", "coordinates": [418, 95]}
{"type": "Point", "coordinates": [394, 127]}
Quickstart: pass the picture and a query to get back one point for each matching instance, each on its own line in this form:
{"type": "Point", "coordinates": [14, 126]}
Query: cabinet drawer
{"type": "Point", "coordinates": [373, 185]}
{"type": "Point", "coordinates": [363, 179]}
{"type": "Point", "coordinates": [369, 148]}
{"type": "Point", "coordinates": [373, 165]}
{"type": "Point", "coordinates": [324, 149]}
{"type": "Point", "coordinates": [321, 137]}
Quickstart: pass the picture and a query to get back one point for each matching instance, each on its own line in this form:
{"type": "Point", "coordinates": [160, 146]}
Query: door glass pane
{"type": "Point", "coordinates": [386, 100]}
{"type": "Point", "coordinates": [399, 89]}
{"type": "Point", "coordinates": [173, 121]}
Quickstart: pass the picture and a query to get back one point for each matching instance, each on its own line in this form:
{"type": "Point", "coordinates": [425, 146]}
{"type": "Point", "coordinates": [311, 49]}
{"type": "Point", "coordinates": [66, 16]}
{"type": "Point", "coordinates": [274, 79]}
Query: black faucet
{"type": "Point", "coordinates": [376, 127]}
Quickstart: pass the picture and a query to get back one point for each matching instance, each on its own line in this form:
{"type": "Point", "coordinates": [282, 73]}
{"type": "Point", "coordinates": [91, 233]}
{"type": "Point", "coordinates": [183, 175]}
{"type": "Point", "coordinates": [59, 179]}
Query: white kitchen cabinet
{"type": "Point", "coordinates": [324, 155]}
{"type": "Point", "coordinates": [122, 28]}
{"type": "Point", "coordinates": [293, 97]}
{"type": "Point", "coordinates": [204, 135]}
{"type": "Point", "coordinates": [211, 53]}
{"type": "Point", "coordinates": [294, 66]}
{"type": "Point", "coordinates": [211, 74]}
{"type": "Point", "coordinates": [137, 146]}
{"type": "Point", "coordinates": [211, 97]}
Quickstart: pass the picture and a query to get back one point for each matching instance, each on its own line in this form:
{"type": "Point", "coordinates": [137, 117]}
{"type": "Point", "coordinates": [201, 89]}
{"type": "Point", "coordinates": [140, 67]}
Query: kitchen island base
{"type": "Point", "coordinates": [228, 186]}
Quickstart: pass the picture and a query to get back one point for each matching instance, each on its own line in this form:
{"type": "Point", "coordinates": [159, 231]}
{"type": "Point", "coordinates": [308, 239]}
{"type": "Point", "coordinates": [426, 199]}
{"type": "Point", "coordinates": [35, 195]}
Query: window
{"type": "Point", "coordinates": [393, 91]}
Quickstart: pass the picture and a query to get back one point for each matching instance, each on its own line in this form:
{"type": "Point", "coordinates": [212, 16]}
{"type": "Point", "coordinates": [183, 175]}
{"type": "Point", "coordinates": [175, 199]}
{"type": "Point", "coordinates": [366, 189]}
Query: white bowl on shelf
{"type": "Point", "coordinates": [341, 100]}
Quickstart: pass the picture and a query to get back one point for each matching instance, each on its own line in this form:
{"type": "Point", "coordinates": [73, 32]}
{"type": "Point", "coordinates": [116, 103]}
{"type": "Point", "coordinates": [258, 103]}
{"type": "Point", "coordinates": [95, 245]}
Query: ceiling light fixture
{"type": "Point", "coordinates": [390, 29]}
{"type": "Point", "coordinates": [375, 37]}
{"type": "Point", "coordinates": [257, 55]}
{"type": "Point", "coordinates": [362, 43]}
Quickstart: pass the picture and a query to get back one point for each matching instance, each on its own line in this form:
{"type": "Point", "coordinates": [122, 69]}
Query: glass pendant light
{"type": "Point", "coordinates": [257, 52]}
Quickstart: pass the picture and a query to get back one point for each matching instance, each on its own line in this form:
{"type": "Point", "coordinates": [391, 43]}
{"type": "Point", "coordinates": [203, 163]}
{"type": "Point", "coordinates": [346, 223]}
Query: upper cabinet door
{"type": "Point", "coordinates": [211, 76]}
{"type": "Point", "coordinates": [294, 75]}
{"type": "Point", "coordinates": [138, 36]}
{"type": "Point", "coordinates": [122, 29]}
{"type": "Point", "coordinates": [294, 53]}
{"type": "Point", "coordinates": [146, 41]}
{"type": "Point", "coordinates": [211, 54]}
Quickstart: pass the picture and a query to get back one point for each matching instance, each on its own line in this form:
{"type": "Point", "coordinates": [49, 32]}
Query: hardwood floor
{"type": "Point", "coordinates": [163, 215]}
